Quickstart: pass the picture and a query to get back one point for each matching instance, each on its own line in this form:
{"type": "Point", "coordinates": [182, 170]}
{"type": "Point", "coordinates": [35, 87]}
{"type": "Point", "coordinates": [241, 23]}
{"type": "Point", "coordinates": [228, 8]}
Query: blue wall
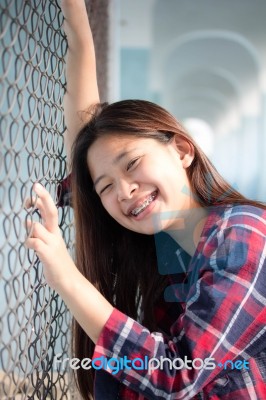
{"type": "Point", "coordinates": [135, 72]}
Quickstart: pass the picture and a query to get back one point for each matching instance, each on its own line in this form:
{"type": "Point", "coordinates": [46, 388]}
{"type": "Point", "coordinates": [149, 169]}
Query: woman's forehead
{"type": "Point", "coordinates": [113, 148]}
{"type": "Point", "coordinates": [113, 144]}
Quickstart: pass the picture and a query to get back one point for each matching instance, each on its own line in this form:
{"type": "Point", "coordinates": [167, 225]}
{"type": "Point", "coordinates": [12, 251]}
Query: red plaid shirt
{"type": "Point", "coordinates": [222, 316]}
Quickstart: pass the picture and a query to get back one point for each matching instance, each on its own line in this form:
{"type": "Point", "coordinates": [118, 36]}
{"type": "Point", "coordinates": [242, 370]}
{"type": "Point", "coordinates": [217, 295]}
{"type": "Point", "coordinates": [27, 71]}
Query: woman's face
{"type": "Point", "coordinates": [141, 181]}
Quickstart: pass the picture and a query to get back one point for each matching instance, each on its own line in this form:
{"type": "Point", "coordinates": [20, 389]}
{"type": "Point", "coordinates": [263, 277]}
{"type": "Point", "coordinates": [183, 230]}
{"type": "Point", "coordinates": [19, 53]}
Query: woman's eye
{"type": "Point", "coordinates": [105, 188]}
{"type": "Point", "coordinates": [131, 163]}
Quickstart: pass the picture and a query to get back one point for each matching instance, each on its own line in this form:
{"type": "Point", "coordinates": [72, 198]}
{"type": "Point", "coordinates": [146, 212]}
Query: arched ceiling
{"type": "Point", "coordinates": [206, 55]}
{"type": "Point", "coordinates": [206, 69]}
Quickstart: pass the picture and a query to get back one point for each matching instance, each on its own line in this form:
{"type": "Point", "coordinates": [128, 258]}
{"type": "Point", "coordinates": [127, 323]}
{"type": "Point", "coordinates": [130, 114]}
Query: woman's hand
{"type": "Point", "coordinates": [46, 240]}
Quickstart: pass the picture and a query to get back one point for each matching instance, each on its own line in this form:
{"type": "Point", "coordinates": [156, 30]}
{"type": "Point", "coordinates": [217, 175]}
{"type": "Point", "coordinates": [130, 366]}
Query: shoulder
{"type": "Point", "coordinates": [247, 215]}
{"type": "Point", "coordinates": [235, 231]}
{"type": "Point", "coordinates": [238, 217]}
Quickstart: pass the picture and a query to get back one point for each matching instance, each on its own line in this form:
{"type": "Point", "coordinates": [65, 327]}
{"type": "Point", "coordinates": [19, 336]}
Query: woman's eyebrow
{"type": "Point", "coordinates": [98, 180]}
{"type": "Point", "coordinates": [121, 156]}
{"type": "Point", "coordinates": [115, 161]}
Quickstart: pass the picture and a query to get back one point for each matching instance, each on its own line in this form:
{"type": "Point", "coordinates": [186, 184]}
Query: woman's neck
{"type": "Point", "coordinates": [187, 228]}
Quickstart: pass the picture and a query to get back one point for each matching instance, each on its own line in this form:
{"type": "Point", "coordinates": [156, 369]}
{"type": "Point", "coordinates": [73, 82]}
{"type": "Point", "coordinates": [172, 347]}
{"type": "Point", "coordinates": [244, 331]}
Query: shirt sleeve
{"type": "Point", "coordinates": [224, 320]}
{"type": "Point", "coordinates": [64, 194]}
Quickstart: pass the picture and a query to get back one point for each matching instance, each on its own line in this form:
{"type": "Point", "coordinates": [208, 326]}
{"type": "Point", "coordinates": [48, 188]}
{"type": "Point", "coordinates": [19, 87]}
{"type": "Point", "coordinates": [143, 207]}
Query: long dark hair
{"type": "Point", "coordinates": [121, 263]}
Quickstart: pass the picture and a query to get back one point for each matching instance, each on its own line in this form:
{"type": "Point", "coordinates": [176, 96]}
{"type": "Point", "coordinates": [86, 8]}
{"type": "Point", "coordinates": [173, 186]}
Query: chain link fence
{"type": "Point", "coordinates": [34, 322]}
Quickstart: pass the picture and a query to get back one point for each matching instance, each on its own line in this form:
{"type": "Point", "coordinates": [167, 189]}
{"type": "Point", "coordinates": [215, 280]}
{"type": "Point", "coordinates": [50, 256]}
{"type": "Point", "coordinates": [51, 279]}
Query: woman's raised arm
{"type": "Point", "coordinates": [81, 89]}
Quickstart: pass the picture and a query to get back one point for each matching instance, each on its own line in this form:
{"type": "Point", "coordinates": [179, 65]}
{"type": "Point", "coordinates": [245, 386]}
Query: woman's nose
{"type": "Point", "coordinates": [126, 190]}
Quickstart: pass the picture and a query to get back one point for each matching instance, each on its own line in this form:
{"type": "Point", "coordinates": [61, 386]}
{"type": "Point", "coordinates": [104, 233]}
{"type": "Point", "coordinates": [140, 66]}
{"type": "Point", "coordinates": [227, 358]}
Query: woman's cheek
{"type": "Point", "coordinates": [110, 205]}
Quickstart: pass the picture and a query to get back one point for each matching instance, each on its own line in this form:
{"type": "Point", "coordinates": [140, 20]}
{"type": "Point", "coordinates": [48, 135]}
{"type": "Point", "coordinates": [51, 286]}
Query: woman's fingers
{"type": "Point", "coordinates": [46, 206]}
{"type": "Point", "coordinates": [31, 202]}
{"type": "Point", "coordinates": [37, 230]}
{"type": "Point", "coordinates": [36, 244]}
{"type": "Point", "coordinates": [45, 238]}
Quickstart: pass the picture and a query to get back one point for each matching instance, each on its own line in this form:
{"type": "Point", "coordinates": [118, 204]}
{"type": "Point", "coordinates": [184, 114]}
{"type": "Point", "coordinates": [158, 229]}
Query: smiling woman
{"type": "Point", "coordinates": [151, 210]}
{"type": "Point", "coordinates": [135, 179]}
{"type": "Point", "coordinates": [134, 156]}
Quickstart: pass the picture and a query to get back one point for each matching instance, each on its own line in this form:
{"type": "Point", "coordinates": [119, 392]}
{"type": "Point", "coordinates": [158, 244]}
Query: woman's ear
{"type": "Point", "coordinates": [185, 150]}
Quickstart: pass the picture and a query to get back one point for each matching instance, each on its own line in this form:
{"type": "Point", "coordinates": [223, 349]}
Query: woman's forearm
{"type": "Point", "coordinates": [90, 309]}
{"type": "Point", "coordinates": [81, 79]}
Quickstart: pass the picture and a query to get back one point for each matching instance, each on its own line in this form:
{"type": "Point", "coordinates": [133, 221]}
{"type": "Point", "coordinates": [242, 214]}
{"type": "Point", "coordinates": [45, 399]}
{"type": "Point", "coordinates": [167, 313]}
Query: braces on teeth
{"type": "Point", "coordinates": [138, 210]}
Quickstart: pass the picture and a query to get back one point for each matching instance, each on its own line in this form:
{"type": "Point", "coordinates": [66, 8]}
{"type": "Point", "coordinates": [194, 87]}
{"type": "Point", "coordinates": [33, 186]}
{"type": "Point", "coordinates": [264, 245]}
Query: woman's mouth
{"type": "Point", "coordinates": [142, 207]}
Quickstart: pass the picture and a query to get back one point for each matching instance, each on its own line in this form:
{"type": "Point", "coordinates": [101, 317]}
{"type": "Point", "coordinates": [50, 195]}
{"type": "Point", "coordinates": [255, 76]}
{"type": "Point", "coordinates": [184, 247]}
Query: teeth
{"type": "Point", "coordinates": [145, 204]}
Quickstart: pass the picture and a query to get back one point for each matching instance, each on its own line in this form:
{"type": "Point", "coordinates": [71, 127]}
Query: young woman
{"type": "Point", "coordinates": [169, 279]}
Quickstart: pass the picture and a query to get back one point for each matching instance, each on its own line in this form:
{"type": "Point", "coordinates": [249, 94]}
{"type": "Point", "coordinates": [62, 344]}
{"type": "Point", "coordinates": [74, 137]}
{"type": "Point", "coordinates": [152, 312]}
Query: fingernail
{"type": "Point", "coordinates": [37, 187]}
{"type": "Point", "coordinates": [28, 203]}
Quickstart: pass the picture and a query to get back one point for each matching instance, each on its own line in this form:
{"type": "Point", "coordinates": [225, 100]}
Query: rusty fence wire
{"type": "Point", "coordinates": [34, 322]}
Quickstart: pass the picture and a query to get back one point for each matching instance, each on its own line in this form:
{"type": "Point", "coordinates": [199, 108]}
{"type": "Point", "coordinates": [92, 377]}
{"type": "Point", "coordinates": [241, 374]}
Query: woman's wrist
{"type": "Point", "coordinates": [88, 306]}
{"type": "Point", "coordinates": [76, 23]}
{"type": "Point", "coordinates": [65, 284]}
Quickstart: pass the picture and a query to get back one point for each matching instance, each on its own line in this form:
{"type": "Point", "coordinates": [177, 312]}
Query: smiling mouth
{"type": "Point", "coordinates": [138, 210]}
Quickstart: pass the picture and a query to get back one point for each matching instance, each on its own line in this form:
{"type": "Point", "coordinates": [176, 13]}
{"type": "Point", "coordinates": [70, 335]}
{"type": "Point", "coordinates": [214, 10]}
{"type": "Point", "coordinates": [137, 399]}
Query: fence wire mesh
{"type": "Point", "coordinates": [34, 322]}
